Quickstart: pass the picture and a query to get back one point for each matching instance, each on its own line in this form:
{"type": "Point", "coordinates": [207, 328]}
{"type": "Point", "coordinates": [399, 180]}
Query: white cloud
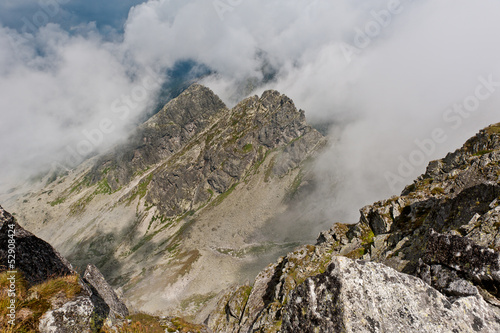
{"type": "Point", "coordinates": [52, 89]}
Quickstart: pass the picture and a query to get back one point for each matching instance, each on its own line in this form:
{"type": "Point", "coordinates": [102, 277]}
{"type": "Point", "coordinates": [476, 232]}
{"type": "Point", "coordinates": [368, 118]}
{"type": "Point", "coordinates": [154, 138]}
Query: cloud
{"type": "Point", "coordinates": [56, 90]}
{"type": "Point", "coordinates": [384, 73]}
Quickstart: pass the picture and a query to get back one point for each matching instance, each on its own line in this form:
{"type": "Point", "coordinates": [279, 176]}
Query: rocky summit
{"type": "Point", "coordinates": [179, 219]}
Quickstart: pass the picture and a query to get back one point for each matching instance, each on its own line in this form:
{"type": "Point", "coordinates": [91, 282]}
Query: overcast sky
{"type": "Point", "coordinates": [75, 75]}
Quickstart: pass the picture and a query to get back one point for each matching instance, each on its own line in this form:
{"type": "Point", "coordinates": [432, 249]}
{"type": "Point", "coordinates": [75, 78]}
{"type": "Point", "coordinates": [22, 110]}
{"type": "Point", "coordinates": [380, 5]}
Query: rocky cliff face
{"type": "Point", "coordinates": [177, 213]}
{"type": "Point", "coordinates": [435, 248]}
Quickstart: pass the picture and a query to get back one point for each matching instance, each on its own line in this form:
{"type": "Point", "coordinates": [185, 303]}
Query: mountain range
{"type": "Point", "coordinates": [185, 207]}
{"type": "Point", "coordinates": [202, 214]}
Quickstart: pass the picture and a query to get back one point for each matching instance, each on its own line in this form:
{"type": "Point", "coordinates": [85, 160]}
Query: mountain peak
{"type": "Point", "coordinates": [196, 104]}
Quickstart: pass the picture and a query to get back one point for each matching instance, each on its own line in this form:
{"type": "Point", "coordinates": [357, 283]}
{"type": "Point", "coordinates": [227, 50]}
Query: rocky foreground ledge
{"type": "Point", "coordinates": [49, 295]}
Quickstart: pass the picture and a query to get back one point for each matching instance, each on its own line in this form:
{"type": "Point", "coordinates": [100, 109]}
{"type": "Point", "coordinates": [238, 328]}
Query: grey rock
{"type": "Point", "coordinates": [378, 219]}
{"type": "Point", "coordinates": [461, 288]}
{"type": "Point", "coordinates": [337, 233]}
{"type": "Point", "coordinates": [160, 137]}
{"type": "Point", "coordinates": [446, 280]}
{"type": "Point", "coordinates": [238, 312]}
{"type": "Point", "coordinates": [270, 292]}
{"type": "Point", "coordinates": [100, 286]}
{"type": "Point", "coordinates": [37, 259]}
{"type": "Point", "coordinates": [73, 316]}
{"type": "Point", "coordinates": [477, 263]}
{"type": "Point", "coordinates": [452, 275]}
{"type": "Point", "coordinates": [358, 296]}
{"type": "Point", "coordinates": [39, 262]}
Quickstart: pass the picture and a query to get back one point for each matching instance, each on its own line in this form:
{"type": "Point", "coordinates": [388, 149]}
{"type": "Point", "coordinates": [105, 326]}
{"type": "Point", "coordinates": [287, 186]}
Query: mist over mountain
{"type": "Point", "coordinates": [189, 152]}
{"type": "Point", "coordinates": [384, 72]}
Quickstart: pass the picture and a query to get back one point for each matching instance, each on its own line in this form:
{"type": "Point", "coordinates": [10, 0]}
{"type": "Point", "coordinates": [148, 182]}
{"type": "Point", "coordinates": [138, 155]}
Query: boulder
{"type": "Point", "coordinates": [101, 287]}
{"type": "Point", "coordinates": [359, 296]}
{"type": "Point", "coordinates": [73, 316]}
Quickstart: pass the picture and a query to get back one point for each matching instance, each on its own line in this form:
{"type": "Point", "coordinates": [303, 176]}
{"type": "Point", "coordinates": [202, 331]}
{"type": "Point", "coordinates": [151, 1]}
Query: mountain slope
{"type": "Point", "coordinates": [177, 212]}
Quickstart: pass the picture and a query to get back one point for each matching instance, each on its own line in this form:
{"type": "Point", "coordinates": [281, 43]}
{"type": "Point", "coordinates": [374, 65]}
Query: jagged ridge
{"type": "Point", "coordinates": [165, 204]}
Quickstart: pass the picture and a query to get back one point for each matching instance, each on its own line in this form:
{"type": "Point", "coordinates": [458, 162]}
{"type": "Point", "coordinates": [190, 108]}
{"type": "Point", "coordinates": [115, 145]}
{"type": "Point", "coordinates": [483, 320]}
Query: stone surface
{"type": "Point", "coordinates": [39, 262]}
{"type": "Point", "coordinates": [37, 259]}
{"type": "Point", "coordinates": [101, 287]}
{"type": "Point", "coordinates": [458, 196]}
{"type": "Point", "coordinates": [73, 316]}
{"type": "Point", "coordinates": [359, 296]}
{"type": "Point", "coordinates": [263, 307]}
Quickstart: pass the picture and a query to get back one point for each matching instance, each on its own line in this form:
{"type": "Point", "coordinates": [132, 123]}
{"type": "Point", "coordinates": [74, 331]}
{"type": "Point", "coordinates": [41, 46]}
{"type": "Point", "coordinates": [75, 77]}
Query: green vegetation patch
{"type": "Point", "coordinates": [247, 148]}
{"type": "Point", "coordinates": [58, 201]}
{"type": "Point", "coordinates": [269, 170]}
{"type": "Point", "coordinates": [182, 326]}
{"type": "Point", "coordinates": [294, 188]}
{"type": "Point", "coordinates": [143, 241]}
{"type": "Point", "coordinates": [142, 189]}
{"type": "Point", "coordinates": [139, 323]}
{"type": "Point", "coordinates": [101, 188]}
{"type": "Point", "coordinates": [493, 129]}
{"type": "Point", "coordinates": [356, 254]}
{"type": "Point", "coordinates": [79, 184]}
{"type": "Point", "coordinates": [367, 237]}
{"type": "Point", "coordinates": [197, 301]}
{"type": "Point", "coordinates": [483, 152]}
{"type": "Point", "coordinates": [437, 190]}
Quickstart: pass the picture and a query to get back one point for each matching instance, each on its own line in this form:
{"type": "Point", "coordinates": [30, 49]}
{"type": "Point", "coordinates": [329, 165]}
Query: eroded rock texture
{"type": "Point", "coordinates": [359, 296]}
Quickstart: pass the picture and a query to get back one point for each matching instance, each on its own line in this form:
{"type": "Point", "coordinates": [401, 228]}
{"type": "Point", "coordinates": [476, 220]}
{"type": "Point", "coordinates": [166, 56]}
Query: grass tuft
{"type": "Point", "coordinates": [32, 303]}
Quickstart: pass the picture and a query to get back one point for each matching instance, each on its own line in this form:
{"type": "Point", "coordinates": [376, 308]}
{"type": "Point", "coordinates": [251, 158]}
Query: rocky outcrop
{"type": "Point", "coordinates": [88, 311]}
{"type": "Point", "coordinates": [452, 262]}
{"type": "Point", "coordinates": [39, 262]}
{"type": "Point", "coordinates": [101, 288]}
{"type": "Point", "coordinates": [457, 196]}
{"type": "Point", "coordinates": [259, 308]}
{"type": "Point", "coordinates": [225, 153]}
{"type": "Point", "coordinates": [360, 296]}
{"type": "Point", "coordinates": [311, 291]}
{"type": "Point", "coordinates": [160, 137]}
{"type": "Point", "coordinates": [37, 259]}
{"type": "Point", "coordinates": [206, 149]}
